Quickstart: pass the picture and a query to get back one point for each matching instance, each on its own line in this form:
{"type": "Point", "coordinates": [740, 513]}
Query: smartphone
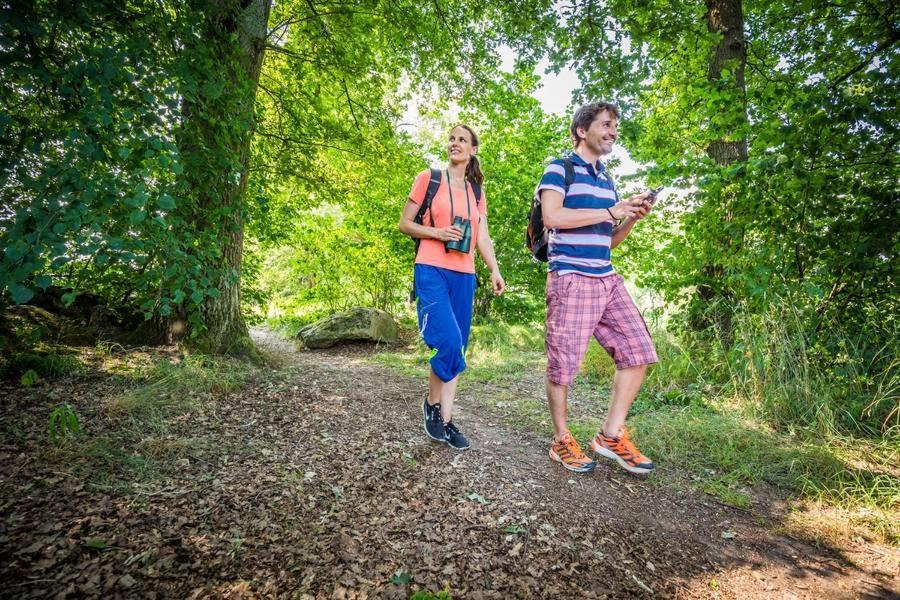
{"type": "Point", "coordinates": [653, 194]}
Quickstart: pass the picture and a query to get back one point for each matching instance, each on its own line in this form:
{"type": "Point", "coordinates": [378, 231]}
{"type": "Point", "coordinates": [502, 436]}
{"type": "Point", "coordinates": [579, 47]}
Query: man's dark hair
{"type": "Point", "coordinates": [586, 115]}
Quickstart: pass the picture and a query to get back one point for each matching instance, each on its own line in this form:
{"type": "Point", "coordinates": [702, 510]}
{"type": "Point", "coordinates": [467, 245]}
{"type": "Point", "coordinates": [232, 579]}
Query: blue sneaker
{"type": "Point", "coordinates": [454, 438]}
{"type": "Point", "coordinates": [434, 424]}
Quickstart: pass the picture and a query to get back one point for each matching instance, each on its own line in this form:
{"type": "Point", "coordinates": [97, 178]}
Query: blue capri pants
{"type": "Point", "coordinates": [444, 310]}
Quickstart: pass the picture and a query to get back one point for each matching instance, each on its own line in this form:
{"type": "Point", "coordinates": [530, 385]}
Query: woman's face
{"type": "Point", "coordinates": [459, 147]}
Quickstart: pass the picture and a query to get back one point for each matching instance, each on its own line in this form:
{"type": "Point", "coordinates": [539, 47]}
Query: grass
{"type": "Point", "coordinates": [496, 353]}
{"type": "Point", "coordinates": [727, 431]}
{"type": "Point", "coordinates": [138, 434]}
{"type": "Point", "coordinates": [429, 595]}
{"type": "Point", "coordinates": [169, 388]}
{"type": "Point", "coordinates": [724, 444]}
{"type": "Point", "coordinates": [45, 364]}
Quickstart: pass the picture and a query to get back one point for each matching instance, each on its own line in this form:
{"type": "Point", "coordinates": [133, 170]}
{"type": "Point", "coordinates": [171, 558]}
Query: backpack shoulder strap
{"type": "Point", "coordinates": [476, 187]}
{"type": "Point", "coordinates": [434, 183]}
{"type": "Point", "coordinates": [569, 169]}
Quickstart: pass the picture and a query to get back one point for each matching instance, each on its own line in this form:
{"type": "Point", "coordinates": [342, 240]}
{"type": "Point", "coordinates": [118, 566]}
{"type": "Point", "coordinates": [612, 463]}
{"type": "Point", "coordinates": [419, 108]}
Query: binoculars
{"type": "Point", "coordinates": [465, 243]}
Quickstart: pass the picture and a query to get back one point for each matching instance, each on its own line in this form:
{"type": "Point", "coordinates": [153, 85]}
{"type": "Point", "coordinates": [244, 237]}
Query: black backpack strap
{"type": "Point", "coordinates": [434, 183]}
{"type": "Point", "coordinates": [569, 169]}
{"type": "Point", "coordinates": [476, 187]}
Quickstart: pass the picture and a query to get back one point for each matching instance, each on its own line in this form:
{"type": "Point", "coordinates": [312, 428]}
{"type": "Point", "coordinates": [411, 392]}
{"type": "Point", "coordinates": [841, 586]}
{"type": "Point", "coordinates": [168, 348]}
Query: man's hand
{"type": "Point", "coordinates": [630, 207]}
{"type": "Point", "coordinates": [497, 283]}
{"type": "Point", "coordinates": [646, 205]}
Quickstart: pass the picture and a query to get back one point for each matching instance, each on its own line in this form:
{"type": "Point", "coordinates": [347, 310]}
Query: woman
{"type": "Point", "coordinates": [444, 277]}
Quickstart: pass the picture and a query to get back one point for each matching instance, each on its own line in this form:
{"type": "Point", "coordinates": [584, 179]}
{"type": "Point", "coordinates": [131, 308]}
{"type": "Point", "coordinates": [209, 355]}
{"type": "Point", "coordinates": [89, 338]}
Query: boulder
{"type": "Point", "coordinates": [357, 324]}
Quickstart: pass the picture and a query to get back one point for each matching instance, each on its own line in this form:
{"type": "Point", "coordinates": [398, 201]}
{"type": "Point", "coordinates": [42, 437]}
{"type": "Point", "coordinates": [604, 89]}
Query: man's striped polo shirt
{"type": "Point", "coordinates": [583, 250]}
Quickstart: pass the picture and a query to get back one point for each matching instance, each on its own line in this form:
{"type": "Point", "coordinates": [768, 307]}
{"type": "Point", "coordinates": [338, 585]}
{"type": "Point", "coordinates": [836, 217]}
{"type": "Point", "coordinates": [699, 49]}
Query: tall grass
{"type": "Point", "coordinates": [775, 368]}
{"type": "Point", "coordinates": [812, 413]}
{"type": "Point", "coordinates": [831, 381]}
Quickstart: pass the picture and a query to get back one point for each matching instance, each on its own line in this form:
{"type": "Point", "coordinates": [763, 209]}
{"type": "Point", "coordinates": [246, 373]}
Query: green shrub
{"type": "Point", "coordinates": [29, 378]}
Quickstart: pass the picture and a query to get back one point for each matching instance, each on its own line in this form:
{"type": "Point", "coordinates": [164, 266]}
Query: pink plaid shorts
{"type": "Point", "coordinates": [579, 306]}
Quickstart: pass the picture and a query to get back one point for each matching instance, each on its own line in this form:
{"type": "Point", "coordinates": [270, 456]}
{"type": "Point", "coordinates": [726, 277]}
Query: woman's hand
{"type": "Point", "coordinates": [497, 283]}
{"type": "Point", "coordinates": [448, 234]}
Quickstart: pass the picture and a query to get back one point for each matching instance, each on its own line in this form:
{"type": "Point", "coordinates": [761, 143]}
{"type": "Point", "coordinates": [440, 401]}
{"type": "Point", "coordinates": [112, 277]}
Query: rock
{"type": "Point", "coordinates": [357, 324]}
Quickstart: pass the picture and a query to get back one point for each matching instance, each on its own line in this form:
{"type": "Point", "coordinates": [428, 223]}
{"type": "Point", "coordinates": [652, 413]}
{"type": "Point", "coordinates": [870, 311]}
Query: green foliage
{"type": "Point", "coordinates": [777, 371]}
{"type": "Point", "coordinates": [810, 218]}
{"type": "Point", "coordinates": [97, 544]}
{"type": "Point", "coordinates": [129, 168]}
{"type": "Point", "coordinates": [428, 595]}
{"type": "Point", "coordinates": [518, 139]}
{"type": "Point", "coordinates": [337, 168]}
{"type": "Point", "coordinates": [42, 364]}
{"type": "Point", "coordinates": [63, 423]}
{"type": "Point", "coordinates": [93, 174]}
{"type": "Point", "coordinates": [733, 456]}
{"type": "Point", "coordinates": [332, 266]}
{"type": "Point", "coordinates": [29, 378]}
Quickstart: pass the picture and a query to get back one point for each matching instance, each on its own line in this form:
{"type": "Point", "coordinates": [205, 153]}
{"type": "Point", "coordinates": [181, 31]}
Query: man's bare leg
{"type": "Point", "coordinates": [557, 397]}
{"type": "Point", "coordinates": [626, 385]}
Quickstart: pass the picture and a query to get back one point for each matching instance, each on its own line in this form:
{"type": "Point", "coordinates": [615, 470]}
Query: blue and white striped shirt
{"type": "Point", "coordinates": [583, 250]}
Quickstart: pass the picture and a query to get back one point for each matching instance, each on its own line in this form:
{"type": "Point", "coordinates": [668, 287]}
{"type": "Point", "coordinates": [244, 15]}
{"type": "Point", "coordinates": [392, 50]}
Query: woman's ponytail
{"type": "Point", "coordinates": [473, 169]}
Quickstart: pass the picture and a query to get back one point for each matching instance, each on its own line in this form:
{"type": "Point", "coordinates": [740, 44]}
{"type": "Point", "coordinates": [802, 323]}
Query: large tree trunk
{"type": "Point", "coordinates": [725, 17]}
{"type": "Point", "coordinates": [225, 62]}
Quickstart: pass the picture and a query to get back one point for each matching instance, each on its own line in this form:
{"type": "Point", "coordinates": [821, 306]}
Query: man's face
{"type": "Point", "coordinates": [601, 135]}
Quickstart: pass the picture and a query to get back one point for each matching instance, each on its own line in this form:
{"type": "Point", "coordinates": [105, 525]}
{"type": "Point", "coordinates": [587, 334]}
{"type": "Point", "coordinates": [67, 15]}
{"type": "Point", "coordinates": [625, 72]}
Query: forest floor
{"type": "Point", "coordinates": [314, 479]}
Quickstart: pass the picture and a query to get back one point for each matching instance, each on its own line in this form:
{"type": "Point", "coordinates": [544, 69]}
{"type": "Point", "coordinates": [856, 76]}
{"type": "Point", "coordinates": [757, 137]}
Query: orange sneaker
{"type": "Point", "coordinates": [568, 452]}
{"type": "Point", "coordinates": [622, 450]}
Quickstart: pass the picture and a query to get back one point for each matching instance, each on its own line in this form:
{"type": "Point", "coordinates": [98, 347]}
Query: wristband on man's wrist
{"type": "Point", "coordinates": [611, 215]}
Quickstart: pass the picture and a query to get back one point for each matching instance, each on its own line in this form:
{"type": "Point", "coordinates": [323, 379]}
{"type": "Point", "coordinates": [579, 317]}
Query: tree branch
{"type": "Point", "coordinates": [865, 62]}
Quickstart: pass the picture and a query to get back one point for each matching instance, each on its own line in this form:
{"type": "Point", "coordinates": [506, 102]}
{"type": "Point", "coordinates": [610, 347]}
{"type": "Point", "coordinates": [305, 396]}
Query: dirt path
{"type": "Point", "coordinates": [317, 481]}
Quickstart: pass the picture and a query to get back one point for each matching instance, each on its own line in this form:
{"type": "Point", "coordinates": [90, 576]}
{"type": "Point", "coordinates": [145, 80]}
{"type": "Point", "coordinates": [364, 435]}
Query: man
{"type": "Point", "coordinates": [585, 296]}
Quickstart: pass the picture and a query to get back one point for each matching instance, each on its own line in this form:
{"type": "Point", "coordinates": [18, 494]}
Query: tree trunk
{"type": "Point", "coordinates": [225, 59]}
{"type": "Point", "coordinates": [725, 17]}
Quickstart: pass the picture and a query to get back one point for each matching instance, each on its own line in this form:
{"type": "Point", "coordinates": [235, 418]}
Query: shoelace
{"type": "Point", "coordinates": [451, 427]}
{"type": "Point", "coordinates": [624, 440]}
{"type": "Point", "coordinates": [571, 446]}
